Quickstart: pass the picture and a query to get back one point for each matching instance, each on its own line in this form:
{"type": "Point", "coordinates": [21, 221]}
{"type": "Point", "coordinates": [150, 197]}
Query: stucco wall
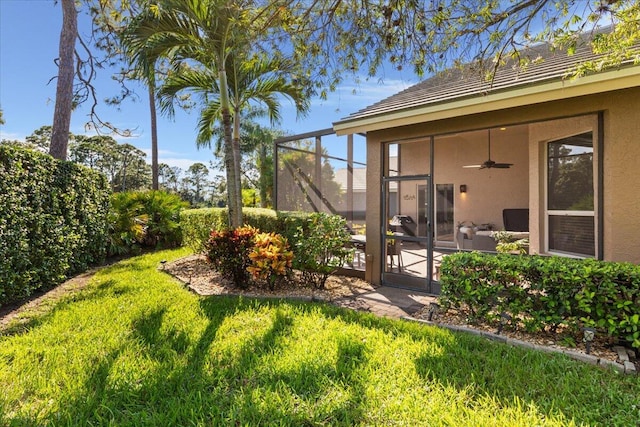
{"type": "Point", "coordinates": [489, 191]}
{"type": "Point", "coordinates": [622, 177]}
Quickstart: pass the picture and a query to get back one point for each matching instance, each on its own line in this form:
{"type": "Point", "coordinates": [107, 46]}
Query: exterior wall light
{"type": "Point", "coordinates": [463, 188]}
{"type": "Point", "coordinates": [504, 319]}
{"type": "Point", "coordinates": [434, 309]}
{"type": "Point", "coordinates": [589, 335]}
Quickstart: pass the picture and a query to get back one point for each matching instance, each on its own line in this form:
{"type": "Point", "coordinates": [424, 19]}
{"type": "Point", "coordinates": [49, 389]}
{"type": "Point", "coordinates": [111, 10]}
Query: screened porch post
{"type": "Point", "coordinates": [350, 180]}
{"type": "Point", "coordinates": [318, 173]}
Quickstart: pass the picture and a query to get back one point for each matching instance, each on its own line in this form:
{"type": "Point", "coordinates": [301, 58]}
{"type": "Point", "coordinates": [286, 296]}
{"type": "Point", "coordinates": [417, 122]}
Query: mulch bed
{"type": "Point", "coordinates": [195, 272]}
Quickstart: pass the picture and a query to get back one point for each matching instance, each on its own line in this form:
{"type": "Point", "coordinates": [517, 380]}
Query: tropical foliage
{"type": "Point", "coordinates": [270, 258]}
{"type": "Point", "coordinates": [211, 47]}
{"type": "Point", "coordinates": [228, 252]}
{"type": "Point", "coordinates": [147, 219]}
{"type": "Point", "coordinates": [197, 224]}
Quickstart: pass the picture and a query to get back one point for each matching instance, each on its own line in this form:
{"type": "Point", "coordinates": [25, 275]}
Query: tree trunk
{"type": "Point", "coordinates": [234, 203]}
{"type": "Point", "coordinates": [64, 87]}
{"type": "Point", "coordinates": [236, 162]}
{"type": "Point", "coordinates": [228, 164]}
{"type": "Point", "coordinates": [154, 134]}
{"type": "Point", "coordinates": [263, 174]}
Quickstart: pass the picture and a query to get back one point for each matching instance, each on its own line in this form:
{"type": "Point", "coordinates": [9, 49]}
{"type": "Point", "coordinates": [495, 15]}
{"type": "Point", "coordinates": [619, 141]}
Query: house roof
{"type": "Point", "coordinates": [359, 178]}
{"type": "Point", "coordinates": [456, 92]}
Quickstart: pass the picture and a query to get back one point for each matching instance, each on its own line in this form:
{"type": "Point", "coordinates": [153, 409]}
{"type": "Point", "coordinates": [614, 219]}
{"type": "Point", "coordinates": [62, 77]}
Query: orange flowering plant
{"type": "Point", "coordinates": [270, 258]}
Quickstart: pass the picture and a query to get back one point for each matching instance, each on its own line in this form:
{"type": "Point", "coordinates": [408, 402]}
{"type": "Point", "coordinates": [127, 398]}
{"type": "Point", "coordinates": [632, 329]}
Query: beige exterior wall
{"type": "Point", "coordinates": [489, 191]}
{"type": "Point", "coordinates": [621, 180]}
{"type": "Point", "coordinates": [622, 177]}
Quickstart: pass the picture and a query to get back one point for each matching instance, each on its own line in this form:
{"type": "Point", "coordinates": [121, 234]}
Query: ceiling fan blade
{"type": "Point", "coordinates": [489, 163]}
{"type": "Point", "coordinates": [502, 165]}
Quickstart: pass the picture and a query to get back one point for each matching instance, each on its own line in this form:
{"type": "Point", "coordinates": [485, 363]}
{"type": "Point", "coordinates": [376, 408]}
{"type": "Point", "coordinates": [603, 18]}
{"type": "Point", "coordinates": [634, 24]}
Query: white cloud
{"type": "Point", "coordinates": [182, 163]}
{"type": "Point", "coordinates": [363, 93]}
{"type": "Point", "coordinates": [11, 136]}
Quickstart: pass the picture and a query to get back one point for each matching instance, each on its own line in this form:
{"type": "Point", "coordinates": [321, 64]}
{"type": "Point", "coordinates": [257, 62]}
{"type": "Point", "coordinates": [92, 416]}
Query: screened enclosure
{"type": "Point", "coordinates": [321, 172]}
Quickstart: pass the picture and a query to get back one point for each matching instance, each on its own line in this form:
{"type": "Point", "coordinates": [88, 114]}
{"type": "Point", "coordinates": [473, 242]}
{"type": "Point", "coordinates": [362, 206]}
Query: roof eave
{"type": "Point", "coordinates": [604, 81]}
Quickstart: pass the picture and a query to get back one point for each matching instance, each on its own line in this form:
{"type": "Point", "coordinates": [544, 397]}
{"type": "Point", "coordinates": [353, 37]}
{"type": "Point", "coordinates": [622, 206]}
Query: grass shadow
{"type": "Point", "coordinates": [551, 383]}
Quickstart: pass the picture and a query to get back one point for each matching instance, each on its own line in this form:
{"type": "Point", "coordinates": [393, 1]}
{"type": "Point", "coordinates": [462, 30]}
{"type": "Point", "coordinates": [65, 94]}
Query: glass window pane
{"type": "Point", "coordinates": [570, 168]}
{"type": "Point", "coordinates": [573, 234]}
{"type": "Point", "coordinates": [444, 212]}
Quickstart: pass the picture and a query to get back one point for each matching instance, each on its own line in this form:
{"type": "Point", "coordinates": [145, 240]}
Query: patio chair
{"type": "Point", "coordinates": [394, 249]}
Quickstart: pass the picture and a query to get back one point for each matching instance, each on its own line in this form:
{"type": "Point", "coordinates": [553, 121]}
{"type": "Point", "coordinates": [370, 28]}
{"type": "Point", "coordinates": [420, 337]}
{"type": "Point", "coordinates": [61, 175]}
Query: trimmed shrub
{"type": "Point", "coordinates": [321, 247]}
{"type": "Point", "coordinates": [52, 221]}
{"type": "Point", "coordinates": [197, 224]}
{"type": "Point", "coordinates": [545, 292]}
{"type": "Point", "coordinates": [144, 219]}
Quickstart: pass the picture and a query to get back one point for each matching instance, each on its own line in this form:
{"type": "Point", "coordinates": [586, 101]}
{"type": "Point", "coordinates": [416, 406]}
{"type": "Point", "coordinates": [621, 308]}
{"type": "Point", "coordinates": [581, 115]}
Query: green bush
{"type": "Point", "coordinates": [321, 247]}
{"type": "Point", "coordinates": [197, 224]}
{"type": "Point", "coordinates": [144, 219]}
{"type": "Point", "coordinates": [52, 221]}
{"type": "Point", "coordinates": [545, 292]}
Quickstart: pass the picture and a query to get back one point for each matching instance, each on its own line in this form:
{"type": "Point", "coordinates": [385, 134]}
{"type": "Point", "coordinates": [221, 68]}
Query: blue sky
{"type": "Point", "coordinates": [29, 33]}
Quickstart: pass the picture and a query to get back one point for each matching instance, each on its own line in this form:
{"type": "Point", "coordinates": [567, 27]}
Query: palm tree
{"type": "Point", "coordinates": [256, 147]}
{"type": "Point", "coordinates": [206, 33]}
{"type": "Point", "coordinates": [261, 81]}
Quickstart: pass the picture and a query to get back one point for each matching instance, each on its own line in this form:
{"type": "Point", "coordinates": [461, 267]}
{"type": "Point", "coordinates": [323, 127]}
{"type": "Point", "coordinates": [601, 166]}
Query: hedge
{"type": "Point", "coordinates": [52, 221]}
{"type": "Point", "coordinates": [546, 292]}
{"type": "Point", "coordinates": [197, 224]}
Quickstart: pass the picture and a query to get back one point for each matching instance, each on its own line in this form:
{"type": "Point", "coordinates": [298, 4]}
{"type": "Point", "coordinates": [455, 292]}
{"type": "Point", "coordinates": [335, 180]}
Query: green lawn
{"type": "Point", "coordinates": [136, 348]}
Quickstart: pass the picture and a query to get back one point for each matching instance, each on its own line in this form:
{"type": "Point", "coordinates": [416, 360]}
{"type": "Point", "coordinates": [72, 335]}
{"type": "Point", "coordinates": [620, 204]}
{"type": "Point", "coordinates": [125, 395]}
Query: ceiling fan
{"type": "Point", "coordinates": [488, 164]}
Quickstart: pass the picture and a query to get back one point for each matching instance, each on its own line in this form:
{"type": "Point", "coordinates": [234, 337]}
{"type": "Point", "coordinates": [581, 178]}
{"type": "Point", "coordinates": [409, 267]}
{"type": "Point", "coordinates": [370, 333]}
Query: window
{"type": "Point", "coordinates": [570, 196]}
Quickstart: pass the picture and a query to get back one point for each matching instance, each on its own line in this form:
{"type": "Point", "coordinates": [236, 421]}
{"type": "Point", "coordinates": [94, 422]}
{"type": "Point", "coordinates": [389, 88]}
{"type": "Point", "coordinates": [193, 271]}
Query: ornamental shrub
{"type": "Point", "coordinates": [321, 247]}
{"type": "Point", "coordinates": [545, 292]}
{"type": "Point", "coordinates": [144, 219]}
{"type": "Point", "coordinates": [270, 258]}
{"type": "Point", "coordinates": [52, 221]}
{"type": "Point", "coordinates": [228, 252]}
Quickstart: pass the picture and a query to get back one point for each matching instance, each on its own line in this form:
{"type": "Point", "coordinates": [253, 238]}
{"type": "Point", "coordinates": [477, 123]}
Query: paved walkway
{"type": "Point", "coordinates": [389, 302]}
